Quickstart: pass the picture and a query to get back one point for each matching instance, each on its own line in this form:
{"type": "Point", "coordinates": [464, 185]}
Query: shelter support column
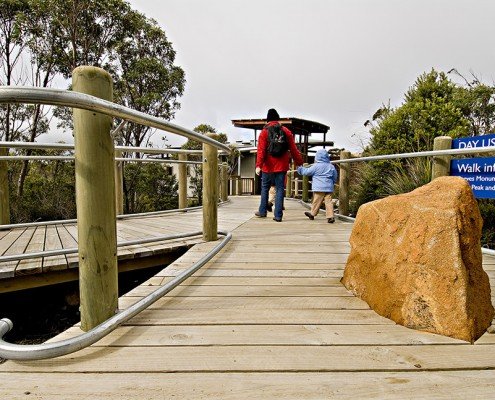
{"type": "Point", "coordinates": [239, 186]}
{"type": "Point", "coordinates": [224, 182]}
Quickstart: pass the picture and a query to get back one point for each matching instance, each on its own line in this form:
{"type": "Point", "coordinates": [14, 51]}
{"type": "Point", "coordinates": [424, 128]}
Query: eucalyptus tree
{"type": "Point", "coordinates": [12, 45]}
{"type": "Point", "coordinates": [37, 22]}
{"type": "Point", "coordinates": [146, 78]}
{"type": "Point", "coordinates": [196, 170]}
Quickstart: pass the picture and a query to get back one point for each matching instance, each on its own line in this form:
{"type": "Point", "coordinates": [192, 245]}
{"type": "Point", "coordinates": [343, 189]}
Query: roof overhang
{"type": "Point", "coordinates": [296, 125]}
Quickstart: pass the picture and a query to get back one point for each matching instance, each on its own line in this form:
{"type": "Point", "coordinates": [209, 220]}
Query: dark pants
{"type": "Point", "coordinates": [276, 179]}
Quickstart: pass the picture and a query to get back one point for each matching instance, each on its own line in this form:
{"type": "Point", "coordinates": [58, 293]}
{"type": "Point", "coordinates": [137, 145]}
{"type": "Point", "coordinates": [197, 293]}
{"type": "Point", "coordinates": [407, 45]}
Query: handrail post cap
{"type": "Point", "coordinates": [8, 322]}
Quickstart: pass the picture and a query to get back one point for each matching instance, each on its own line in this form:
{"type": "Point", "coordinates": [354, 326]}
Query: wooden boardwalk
{"type": "Point", "coordinates": [267, 318]}
{"type": "Point", "coordinates": [49, 270]}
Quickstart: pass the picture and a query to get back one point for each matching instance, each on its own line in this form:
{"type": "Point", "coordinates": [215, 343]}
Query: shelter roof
{"type": "Point", "coordinates": [296, 125]}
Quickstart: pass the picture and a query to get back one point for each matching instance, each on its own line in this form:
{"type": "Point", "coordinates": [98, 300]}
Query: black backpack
{"type": "Point", "coordinates": [277, 141]}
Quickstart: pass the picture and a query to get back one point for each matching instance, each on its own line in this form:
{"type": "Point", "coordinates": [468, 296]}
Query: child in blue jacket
{"type": "Point", "coordinates": [324, 178]}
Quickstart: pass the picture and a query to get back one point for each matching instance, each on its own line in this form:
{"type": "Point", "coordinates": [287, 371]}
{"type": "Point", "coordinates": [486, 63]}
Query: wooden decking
{"type": "Point", "coordinates": [267, 318]}
{"type": "Point", "coordinates": [22, 274]}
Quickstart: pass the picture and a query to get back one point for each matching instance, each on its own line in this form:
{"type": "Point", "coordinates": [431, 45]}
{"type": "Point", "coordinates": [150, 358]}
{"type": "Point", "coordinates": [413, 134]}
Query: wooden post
{"type": "Point", "coordinates": [239, 186]}
{"type": "Point", "coordinates": [182, 181]}
{"type": "Point", "coordinates": [441, 164]}
{"type": "Point", "coordinates": [225, 182]}
{"type": "Point", "coordinates": [305, 186]}
{"type": "Point", "coordinates": [210, 192]}
{"type": "Point", "coordinates": [119, 184]}
{"type": "Point", "coordinates": [4, 189]}
{"type": "Point", "coordinates": [95, 199]}
{"type": "Point", "coordinates": [296, 187]}
{"type": "Point", "coordinates": [344, 184]}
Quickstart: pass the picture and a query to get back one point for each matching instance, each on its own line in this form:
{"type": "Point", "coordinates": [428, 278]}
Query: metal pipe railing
{"type": "Point", "coordinates": [59, 97]}
{"type": "Point", "coordinates": [65, 146]}
{"type": "Point", "coordinates": [72, 158]}
{"type": "Point", "coordinates": [12, 351]}
{"type": "Point", "coordinates": [490, 149]}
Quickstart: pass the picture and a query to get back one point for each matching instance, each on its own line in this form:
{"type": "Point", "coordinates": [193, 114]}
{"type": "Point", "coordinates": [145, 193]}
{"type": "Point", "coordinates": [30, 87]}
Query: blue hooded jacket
{"type": "Point", "coordinates": [323, 172]}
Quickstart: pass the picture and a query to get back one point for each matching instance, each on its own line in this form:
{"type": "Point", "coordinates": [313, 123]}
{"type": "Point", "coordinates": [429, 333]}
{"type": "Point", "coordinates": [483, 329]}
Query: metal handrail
{"type": "Point", "coordinates": [49, 350]}
{"type": "Point", "coordinates": [489, 149]}
{"type": "Point", "coordinates": [66, 146]}
{"type": "Point", "coordinates": [72, 158]}
{"type": "Point", "coordinates": [59, 97]}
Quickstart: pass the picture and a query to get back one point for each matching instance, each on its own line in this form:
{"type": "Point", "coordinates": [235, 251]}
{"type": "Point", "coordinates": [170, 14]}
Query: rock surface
{"type": "Point", "coordinates": [416, 259]}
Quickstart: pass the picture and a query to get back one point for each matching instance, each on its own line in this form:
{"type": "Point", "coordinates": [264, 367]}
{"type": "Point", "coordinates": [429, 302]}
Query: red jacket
{"type": "Point", "coordinates": [267, 162]}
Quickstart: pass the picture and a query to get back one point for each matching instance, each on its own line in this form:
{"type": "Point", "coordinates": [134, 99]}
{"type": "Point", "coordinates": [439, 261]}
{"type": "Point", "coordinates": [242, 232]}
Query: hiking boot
{"type": "Point", "coordinates": [331, 220]}
{"type": "Point", "coordinates": [269, 206]}
{"type": "Point", "coordinates": [309, 215]}
{"type": "Point", "coordinates": [257, 213]}
{"type": "Point", "coordinates": [277, 219]}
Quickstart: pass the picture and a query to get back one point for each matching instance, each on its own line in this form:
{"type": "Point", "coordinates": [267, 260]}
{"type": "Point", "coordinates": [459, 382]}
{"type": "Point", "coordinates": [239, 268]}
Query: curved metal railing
{"type": "Point", "coordinates": [56, 349]}
{"type": "Point", "coordinates": [59, 97]}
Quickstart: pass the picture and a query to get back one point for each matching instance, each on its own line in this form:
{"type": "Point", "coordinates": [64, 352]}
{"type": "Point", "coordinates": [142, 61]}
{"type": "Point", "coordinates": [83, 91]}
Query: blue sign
{"type": "Point", "coordinates": [475, 141]}
{"type": "Point", "coordinates": [479, 172]}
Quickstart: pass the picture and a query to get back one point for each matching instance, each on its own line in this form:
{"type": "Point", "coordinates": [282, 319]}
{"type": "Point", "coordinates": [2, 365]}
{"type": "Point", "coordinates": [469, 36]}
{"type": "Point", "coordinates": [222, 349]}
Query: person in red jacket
{"type": "Point", "coordinates": [274, 168]}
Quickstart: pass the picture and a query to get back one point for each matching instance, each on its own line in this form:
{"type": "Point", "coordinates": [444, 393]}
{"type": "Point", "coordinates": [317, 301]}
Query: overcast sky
{"type": "Point", "coordinates": [331, 61]}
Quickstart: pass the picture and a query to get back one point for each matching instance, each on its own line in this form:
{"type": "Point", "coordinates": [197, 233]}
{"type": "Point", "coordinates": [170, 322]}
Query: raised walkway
{"type": "Point", "coordinates": [34, 272]}
{"type": "Point", "coordinates": [267, 318]}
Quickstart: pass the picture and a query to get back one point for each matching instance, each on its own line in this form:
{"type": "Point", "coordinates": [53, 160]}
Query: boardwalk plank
{"type": "Point", "coordinates": [36, 244]}
{"type": "Point", "coordinates": [257, 291]}
{"type": "Point", "coordinates": [440, 385]}
{"type": "Point", "coordinates": [265, 335]}
{"type": "Point", "coordinates": [252, 303]}
{"type": "Point", "coordinates": [68, 241]}
{"type": "Point", "coordinates": [233, 316]}
{"type": "Point", "coordinates": [53, 242]}
{"type": "Point", "coordinates": [265, 359]}
{"type": "Point", "coordinates": [7, 269]}
{"type": "Point", "coordinates": [19, 247]}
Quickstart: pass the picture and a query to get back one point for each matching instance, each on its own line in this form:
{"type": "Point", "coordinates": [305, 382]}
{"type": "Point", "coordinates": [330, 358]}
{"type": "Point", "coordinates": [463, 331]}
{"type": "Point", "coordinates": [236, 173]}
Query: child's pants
{"type": "Point", "coordinates": [318, 198]}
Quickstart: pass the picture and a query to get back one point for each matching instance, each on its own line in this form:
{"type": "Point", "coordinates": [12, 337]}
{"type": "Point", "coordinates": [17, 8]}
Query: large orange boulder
{"type": "Point", "coordinates": [416, 259]}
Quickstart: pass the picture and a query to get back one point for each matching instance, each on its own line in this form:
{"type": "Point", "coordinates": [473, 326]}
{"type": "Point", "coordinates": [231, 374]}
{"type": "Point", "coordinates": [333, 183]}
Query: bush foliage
{"type": "Point", "coordinates": [433, 106]}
